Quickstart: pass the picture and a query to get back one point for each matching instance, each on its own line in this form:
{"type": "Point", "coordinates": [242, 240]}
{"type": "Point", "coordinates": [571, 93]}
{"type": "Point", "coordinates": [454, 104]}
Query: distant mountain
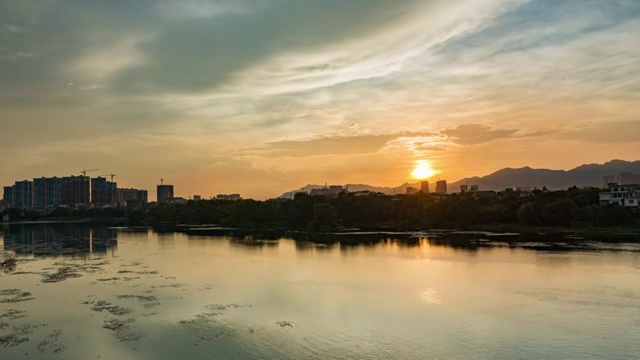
{"type": "Point", "coordinates": [584, 175]}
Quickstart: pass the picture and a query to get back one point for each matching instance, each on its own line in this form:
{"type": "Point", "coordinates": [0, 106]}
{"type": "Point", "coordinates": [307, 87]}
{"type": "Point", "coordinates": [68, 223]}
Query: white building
{"type": "Point", "coordinates": [626, 196]}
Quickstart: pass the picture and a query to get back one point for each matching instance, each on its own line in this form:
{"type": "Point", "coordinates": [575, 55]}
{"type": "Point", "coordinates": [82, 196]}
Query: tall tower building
{"type": "Point", "coordinates": [165, 192]}
{"type": "Point", "coordinates": [424, 186]}
{"type": "Point", "coordinates": [441, 187]}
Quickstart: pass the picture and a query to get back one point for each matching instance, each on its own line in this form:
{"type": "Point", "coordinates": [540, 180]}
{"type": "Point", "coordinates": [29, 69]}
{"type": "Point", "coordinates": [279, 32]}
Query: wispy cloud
{"type": "Point", "coordinates": [103, 61]}
{"type": "Point", "coordinates": [207, 9]}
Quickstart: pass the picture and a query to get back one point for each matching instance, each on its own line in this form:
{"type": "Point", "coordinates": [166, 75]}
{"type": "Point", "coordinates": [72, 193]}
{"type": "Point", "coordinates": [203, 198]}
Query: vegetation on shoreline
{"type": "Point", "coordinates": [543, 211]}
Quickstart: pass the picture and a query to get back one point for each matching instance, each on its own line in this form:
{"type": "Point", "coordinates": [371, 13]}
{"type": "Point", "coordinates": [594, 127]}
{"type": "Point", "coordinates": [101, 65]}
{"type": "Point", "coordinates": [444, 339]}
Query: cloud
{"type": "Point", "coordinates": [100, 63]}
{"type": "Point", "coordinates": [614, 132]}
{"type": "Point", "coordinates": [472, 134]}
{"type": "Point", "coordinates": [14, 56]}
{"type": "Point", "coordinates": [207, 9]}
{"type": "Point", "coordinates": [347, 145]}
{"type": "Point", "coordinates": [335, 145]}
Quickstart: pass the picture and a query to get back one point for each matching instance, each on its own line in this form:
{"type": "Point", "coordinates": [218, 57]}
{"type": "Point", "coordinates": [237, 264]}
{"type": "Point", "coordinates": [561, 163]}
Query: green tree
{"type": "Point", "coordinates": [528, 214]}
{"type": "Point", "coordinates": [324, 218]}
{"type": "Point", "coordinates": [613, 215]}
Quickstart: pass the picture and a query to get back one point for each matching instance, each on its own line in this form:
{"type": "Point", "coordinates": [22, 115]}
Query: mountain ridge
{"type": "Point", "coordinates": [583, 175]}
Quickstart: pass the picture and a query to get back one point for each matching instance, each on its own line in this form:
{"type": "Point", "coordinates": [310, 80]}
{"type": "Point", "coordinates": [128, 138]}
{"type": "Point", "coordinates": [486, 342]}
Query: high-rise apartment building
{"type": "Point", "coordinates": [103, 191]}
{"type": "Point", "coordinates": [424, 186]}
{"type": "Point", "coordinates": [165, 192]}
{"type": "Point", "coordinates": [8, 196]}
{"type": "Point", "coordinates": [127, 195]}
{"type": "Point", "coordinates": [112, 192]}
{"type": "Point", "coordinates": [75, 190]}
{"type": "Point", "coordinates": [47, 192]}
{"type": "Point", "coordinates": [441, 187]}
{"type": "Point", "coordinates": [23, 194]}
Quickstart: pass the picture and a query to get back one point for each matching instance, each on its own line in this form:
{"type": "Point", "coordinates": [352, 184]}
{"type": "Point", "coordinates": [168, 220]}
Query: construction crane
{"type": "Point", "coordinates": [112, 175]}
{"type": "Point", "coordinates": [85, 171]}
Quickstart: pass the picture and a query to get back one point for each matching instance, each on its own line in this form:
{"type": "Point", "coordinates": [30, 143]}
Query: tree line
{"type": "Point", "coordinates": [370, 210]}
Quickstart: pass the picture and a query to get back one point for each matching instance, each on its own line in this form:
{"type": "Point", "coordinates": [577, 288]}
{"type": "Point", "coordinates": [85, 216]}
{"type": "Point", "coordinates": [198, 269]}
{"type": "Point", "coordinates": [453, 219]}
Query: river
{"type": "Point", "coordinates": [104, 293]}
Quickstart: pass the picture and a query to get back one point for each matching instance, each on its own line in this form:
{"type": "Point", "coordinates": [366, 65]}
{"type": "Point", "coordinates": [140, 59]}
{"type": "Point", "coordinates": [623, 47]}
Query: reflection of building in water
{"type": "Point", "coordinates": [55, 240]}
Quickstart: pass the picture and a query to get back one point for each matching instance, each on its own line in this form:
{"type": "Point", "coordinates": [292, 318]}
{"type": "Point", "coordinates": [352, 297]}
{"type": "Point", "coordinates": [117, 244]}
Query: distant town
{"type": "Point", "coordinates": [85, 191]}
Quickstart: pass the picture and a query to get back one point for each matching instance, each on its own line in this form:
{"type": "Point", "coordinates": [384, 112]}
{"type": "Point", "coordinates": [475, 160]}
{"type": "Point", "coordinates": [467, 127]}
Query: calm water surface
{"type": "Point", "coordinates": [82, 293]}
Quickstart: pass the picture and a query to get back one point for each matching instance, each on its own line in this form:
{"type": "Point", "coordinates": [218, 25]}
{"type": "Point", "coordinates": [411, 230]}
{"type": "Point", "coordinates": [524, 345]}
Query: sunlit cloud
{"type": "Point", "coordinates": [102, 62]}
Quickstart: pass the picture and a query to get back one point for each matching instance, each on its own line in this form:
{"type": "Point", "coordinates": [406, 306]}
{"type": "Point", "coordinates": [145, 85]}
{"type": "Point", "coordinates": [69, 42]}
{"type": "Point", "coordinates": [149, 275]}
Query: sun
{"type": "Point", "coordinates": [422, 170]}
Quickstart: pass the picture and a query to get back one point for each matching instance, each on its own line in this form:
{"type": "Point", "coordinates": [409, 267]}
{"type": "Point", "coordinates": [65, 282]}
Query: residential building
{"type": "Point", "coordinates": [332, 190]}
{"type": "Point", "coordinates": [112, 192]}
{"type": "Point", "coordinates": [103, 191]}
{"type": "Point", "coordinates": [165, 192]}
{"type": "Point", "coordinates": [175, 200]}
{"type": "Point", "coordinates": [464, 188]}
{"type": "Point", "coordinates": [125, 196]}
{"type": "Point", "coordinates": [197, 197]}
{"type": "Point", "coordinates": [8, 196]}
{"type": "Point", "coordinates": [474, 188]}
{"type": "Point", "coordinates": [606, 180]}
{"type": "Point", "coordinates": [623, 195]}
{"type": "Point", "coordinates": [424, 186]}
{"type": "Point", "coordinates": [411, 190]}
{"type": "Point", "coordinates": [23, 194]}
{"type": "Point", "coordinates": [441, 187]}
{"type": "Point", "coordinates": [47, 192]}
{"type": "Point", "coordinates": [231, 197]}
{"type": "Point", "coordinates": [76, 190]}
{"type": "Point", "coordinates": [627, 178]}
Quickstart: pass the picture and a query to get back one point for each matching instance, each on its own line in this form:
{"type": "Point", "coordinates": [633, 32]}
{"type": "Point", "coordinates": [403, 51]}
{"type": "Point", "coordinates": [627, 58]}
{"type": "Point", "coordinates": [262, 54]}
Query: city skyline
{"type": "Point", "coordinates": [260, 98]}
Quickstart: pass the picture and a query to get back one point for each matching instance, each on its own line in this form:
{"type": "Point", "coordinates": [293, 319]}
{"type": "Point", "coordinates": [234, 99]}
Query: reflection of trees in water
{"type": "Point", "coordinates": [306, 246]}
{"type": "Point", "coordinates": [470, 242]}
{"type": "Point", "coordinates": [252, 242]}
{"type": "Point", "coordinates": [58, 239]}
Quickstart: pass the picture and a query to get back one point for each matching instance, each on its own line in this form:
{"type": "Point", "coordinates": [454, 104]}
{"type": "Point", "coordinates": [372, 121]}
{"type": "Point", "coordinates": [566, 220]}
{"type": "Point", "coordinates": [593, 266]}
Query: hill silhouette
{"type": "Point", "coordinates": [583, 175]}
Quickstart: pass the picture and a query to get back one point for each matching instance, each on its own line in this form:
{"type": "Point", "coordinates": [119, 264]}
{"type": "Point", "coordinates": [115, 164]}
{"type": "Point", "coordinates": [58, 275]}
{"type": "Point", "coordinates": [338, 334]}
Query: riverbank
{"type": "Point", "coordinates": [590, 232]}
{"type": "Point", "coordinates": [511, 232]}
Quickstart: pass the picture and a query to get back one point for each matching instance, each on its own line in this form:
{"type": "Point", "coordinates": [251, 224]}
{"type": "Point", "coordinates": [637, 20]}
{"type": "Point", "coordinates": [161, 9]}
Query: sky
{"type": "Point", "coordinates": [259, 97]}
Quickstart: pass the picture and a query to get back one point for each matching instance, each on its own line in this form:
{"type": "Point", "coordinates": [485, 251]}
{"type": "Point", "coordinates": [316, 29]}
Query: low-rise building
{"type": "Point", "coordinates": [125, 196]}
{"type": "Point", "coordinates": [411, 190]}
{"type": "Point", "coordinates": [332, 190]}
{"type": "Point", "coordinates": [230, 197]}
{"type": "Point", "coordinates": [625, 196]}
